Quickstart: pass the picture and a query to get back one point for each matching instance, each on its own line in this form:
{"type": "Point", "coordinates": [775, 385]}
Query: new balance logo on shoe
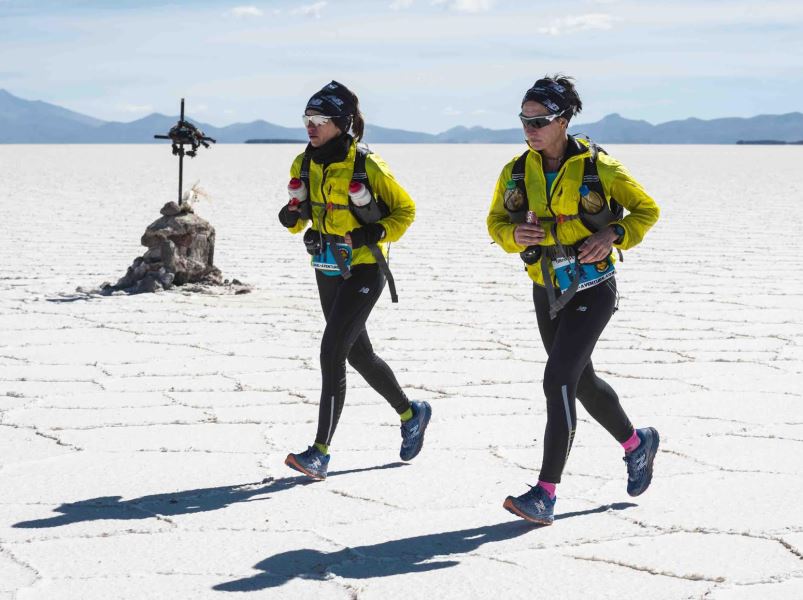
{"type": "Point", "coordinates": [412, 430]}
{"type": "Point", "coordinates": [582, 308]}
{"type": "Point", "coordinates": [640, 461]}
{"type": "Point", "coordinates": [364, 290]}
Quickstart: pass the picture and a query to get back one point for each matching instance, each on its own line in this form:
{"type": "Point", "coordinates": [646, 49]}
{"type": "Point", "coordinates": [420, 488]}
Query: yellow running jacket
{"type": "Point", "coordinates": [564, 200]}
{"type": "Point", "coordinates": [331, 186]}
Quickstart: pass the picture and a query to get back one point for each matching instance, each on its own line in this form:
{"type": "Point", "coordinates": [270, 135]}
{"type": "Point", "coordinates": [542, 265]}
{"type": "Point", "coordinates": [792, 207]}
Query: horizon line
{"type": "Point", "coordinates": [159, 114]}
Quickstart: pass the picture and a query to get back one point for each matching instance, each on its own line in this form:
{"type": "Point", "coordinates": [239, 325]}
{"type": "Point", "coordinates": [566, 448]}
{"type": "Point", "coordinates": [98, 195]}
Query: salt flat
{"type": "Point", "coordinates": [142, 437]}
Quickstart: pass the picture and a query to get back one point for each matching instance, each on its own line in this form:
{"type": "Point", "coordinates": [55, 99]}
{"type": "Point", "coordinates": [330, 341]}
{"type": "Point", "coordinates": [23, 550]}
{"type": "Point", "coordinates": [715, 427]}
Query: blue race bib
{"type": "Point", "coordinates": [590, 274]}
{"type": "Point", "coordinates": [325, 261]}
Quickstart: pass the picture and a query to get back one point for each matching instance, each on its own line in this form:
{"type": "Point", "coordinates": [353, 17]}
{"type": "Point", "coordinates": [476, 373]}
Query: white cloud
{"type": "Point", "coordinates": [245, 11]}
{"type": "Point", "coordinates": [137, 108]}
{"type": "Point", "coordinates": [573, 24]}
{"type": "Point", "coordinates": [468, 6]}
{"type": "Point", "coordinates": [400, 4]}
{"type": "Point", "coordinates": [451, 111]}
{"type": "Point", "coordinates": [311, 10]}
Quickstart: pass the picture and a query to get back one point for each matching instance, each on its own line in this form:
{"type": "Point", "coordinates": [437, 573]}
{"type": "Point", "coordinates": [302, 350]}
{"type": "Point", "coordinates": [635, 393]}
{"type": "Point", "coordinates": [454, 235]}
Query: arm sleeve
{"type": "Point", "coordinates": [295, 171]}
{"type": "Point", "coordinates": [398, 201]}
{"type": "Point", "coordinates": [643, 211]}
{"type": "Point", "coordinates": [499, 226]}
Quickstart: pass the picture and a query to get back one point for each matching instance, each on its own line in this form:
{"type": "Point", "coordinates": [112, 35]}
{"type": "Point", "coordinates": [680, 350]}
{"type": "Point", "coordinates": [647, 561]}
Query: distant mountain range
{"type": "Point", "coordinates": [33, 122]}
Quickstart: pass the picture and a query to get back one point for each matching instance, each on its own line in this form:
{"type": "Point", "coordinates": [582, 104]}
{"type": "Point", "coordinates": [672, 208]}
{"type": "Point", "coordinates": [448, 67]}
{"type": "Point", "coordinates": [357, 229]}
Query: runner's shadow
{"type": "Point", "coordinates": [178, 503]}
{"type": "Point", "coordinates": [397, 557]}
{"type": "Point", "coordinates": [599, 509]}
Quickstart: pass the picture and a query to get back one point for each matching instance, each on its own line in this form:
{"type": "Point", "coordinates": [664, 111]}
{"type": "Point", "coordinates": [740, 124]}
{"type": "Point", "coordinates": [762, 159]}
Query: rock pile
{"type": "Point", "coordinates": [181, 250]}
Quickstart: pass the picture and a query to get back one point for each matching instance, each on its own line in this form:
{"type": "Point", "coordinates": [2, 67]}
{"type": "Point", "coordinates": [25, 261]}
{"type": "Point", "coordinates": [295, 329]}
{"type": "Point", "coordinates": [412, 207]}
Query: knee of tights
{"type": "Point", "coordinates": [332, 345]}
{"type": "Point", "coordinates": [332, 357]}
{"type": "Point", "coordinates": [555, 379]}
{"type": "Point", "coordinates": [359, 356]}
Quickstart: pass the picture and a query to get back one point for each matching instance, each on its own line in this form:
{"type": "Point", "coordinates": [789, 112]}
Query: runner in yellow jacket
{"type": "Point", "coordinates": [563, 200]}
{"type": "Point", "coordinates": [566, 241]}
{"type": "Point", "coordinates": [345, 251]}
{"type": "Point", "coordinates": [329, 187]}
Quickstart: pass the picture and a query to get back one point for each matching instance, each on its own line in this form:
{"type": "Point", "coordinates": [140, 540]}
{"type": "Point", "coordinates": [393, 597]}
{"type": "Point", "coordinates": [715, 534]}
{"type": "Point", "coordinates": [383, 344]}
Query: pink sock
{"type": "Point", "coordinates": [549, 487]}
{"type": "Point", "coordinates": [632, 442]}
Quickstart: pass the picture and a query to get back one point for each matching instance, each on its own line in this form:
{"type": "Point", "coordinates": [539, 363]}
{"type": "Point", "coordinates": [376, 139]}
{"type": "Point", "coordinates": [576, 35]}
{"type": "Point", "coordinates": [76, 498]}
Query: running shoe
{"type": "Point", "coordinates": [534, 505]}
{"type": "Point", "coordinates": [312, 462]}
{"type": "Point", "coordinates": [412, 431]}
{"type": "Point", "coordinates": [639, 461]}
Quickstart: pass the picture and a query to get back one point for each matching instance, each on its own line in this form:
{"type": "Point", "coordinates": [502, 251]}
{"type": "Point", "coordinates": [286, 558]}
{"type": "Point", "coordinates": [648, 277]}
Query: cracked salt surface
{"type": "Point", "coordinates": [142, 438]}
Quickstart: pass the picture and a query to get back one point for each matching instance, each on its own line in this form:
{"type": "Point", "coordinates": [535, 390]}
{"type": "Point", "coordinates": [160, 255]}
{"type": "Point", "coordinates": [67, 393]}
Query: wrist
{"type": "Point", "coordinates": [618, 233]}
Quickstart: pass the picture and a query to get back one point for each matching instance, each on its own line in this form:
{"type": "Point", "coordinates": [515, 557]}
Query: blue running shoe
{"type": "Point", "coordinates": [412, 431]}
{"type": "Point", "coordinates": [639, 461]}
{"type": "Point", "coordinates": [535, 505]}
{"type": "Point", "coordinates": [312, 462]}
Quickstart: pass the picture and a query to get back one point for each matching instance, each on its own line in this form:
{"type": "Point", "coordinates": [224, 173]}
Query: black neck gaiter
{"type": "Point", "coordinates": [335, 150]}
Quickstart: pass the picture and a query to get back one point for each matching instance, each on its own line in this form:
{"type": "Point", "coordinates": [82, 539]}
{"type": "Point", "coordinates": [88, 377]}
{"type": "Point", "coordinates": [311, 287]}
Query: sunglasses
{"type": "Point", "coordinates": [315, 120]}
{"type": "Point", "coordinates": [540, 121]}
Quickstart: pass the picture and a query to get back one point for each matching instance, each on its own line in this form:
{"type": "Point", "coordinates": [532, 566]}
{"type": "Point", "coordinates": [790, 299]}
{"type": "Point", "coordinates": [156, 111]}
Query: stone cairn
{"type": "Point", "coordinates": [181, 250]}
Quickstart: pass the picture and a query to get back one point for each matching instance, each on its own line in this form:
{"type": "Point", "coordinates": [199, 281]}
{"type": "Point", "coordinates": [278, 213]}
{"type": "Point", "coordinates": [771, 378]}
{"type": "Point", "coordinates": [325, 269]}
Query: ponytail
{"type": "Point", "coordinates": [354, 121]}
{"type": "Point", "coordinates": [358, 125]}
{"type": "Point", "coordinates": [357, 120]}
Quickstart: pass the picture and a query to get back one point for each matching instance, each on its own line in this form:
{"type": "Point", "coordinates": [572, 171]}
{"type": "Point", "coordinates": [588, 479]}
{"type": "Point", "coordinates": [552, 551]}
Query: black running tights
{"type": "Point", "coordinates": [569, 340]}
{"type": "Point", "coordinates": [346, 304]}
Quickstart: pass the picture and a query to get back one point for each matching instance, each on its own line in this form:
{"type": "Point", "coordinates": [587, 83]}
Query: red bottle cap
{"type": "Point", "coordinates": [295, 184]}
{"type": "Point", "coordinates": [354, 187]}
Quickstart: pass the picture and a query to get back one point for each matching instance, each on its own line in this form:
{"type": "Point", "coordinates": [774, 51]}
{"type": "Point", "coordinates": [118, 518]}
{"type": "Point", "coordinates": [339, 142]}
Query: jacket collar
{"type": "Point", "coordinates": [574, 147]}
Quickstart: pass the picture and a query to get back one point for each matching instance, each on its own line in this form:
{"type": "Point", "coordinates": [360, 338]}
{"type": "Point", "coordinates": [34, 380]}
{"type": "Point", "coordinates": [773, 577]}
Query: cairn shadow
{"type": "Point", "coordinates": [386, 559]}
{"type": "Point", "coordinates": [75, 298]}
{"type": "Point", "coordinates": [177, 503]}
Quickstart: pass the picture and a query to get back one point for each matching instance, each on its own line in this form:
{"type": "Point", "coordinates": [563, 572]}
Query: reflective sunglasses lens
{"type": "Point", "coordinates": [315, 120]}
{"type": "Point", "coordinates": [536, 122]}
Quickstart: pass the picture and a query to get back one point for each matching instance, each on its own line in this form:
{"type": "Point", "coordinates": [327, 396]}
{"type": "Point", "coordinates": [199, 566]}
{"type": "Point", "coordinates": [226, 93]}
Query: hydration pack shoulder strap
{"type": "Point", "coordinates": [517, 174]}
{"type": "Point", "coordinates": [361, 175]}
{"type": "Point", "coordinates": [304, 174]}
{"type": "Point", "coordinates": [611, 210]}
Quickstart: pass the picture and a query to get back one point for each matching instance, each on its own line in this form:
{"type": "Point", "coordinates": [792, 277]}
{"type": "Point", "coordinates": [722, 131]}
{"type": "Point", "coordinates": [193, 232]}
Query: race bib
{"type": "Point", "coordinates": [325, 261]}
{"type": "Point", "coordinates": [590, 274]}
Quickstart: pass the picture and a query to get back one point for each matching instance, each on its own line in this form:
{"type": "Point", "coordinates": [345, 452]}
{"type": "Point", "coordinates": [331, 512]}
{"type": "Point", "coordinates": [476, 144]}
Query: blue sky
{"type": "Point", "coordinates": [425, 65]}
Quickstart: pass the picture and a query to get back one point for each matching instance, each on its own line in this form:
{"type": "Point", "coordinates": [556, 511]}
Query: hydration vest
{"type": "Point", "coordinates": [609, 212]}
{"type": "Point", "coordinates": [360, 174]}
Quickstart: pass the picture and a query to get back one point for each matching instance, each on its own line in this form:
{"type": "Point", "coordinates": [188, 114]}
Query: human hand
{"type": "Point", "coordinates": [288, 217]}
{"type": "Point", "coordinates": [528, 234]}
{"type": "Point", "coordinates": [597, 247]}
{"type": "Point", "coordinates": [366, 235]}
